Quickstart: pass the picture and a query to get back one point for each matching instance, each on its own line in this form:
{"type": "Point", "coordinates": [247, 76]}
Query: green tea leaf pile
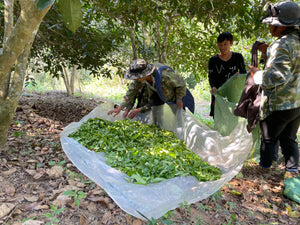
{"type": "Point", "coordinates": [146, 153]}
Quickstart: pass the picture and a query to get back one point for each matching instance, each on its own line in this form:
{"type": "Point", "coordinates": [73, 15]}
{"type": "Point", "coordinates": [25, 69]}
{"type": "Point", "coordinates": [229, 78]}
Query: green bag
{"type": "Point", "coordinates": [292, 188]}
{"type": "Point", "coordinates": [227, 97]}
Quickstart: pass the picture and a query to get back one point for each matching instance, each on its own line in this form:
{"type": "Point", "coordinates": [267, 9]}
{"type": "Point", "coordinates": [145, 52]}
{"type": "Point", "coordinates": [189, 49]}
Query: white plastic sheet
{"type": "Point", "coordinates": [154, 200]}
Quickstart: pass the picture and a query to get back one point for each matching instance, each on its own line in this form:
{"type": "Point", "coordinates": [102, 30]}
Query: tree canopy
{"type": "Point", "coordinates": [180, 33]}
{"type": "Point", "coordinates": [86, 47]}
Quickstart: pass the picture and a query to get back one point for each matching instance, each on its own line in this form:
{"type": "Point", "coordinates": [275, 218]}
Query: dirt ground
{"type": "Point", "coordinates": [35, 172]}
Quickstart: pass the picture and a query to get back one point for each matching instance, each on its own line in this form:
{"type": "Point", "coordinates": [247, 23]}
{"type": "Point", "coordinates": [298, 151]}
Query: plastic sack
{"type": "Point", "coordinates": [227, 98]}
{"type": "Point", "coordinates": [292, 188]}
{"type": "Point", "coordinates": [154, 200]}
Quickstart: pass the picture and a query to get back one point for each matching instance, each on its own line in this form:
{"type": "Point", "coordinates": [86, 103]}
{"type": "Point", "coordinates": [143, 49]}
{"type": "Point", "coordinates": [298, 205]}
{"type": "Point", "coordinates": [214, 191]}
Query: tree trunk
{"type": "Point", "coordinates": [133, 44]}
{"type": "Point", "coordinates": [66, 79]}
{"type": "Point", "coordinates": [165, 40]}
{"type": "Point", "coordinates": [73, 78]}
{"type": "Point", "coordinates": [6, 116]}
{"type": "Point", "coordinates": [69, 79]}
{"type": "Point", "coordinates": [16, 48]}
{"type": "Point", "coordinates": [8, 24]}
{"type": "Point", "coordinates": [9, 105]}
{"type": "Point", "coordinates": [158, 42]}
{"type": "Point", "coordinates": [78, 81]}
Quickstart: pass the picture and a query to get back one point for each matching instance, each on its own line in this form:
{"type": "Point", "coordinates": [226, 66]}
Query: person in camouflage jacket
{"type": "Point", "coordinates": [280, 82]}
{"type": "Point", "coordinates": [144, 88]}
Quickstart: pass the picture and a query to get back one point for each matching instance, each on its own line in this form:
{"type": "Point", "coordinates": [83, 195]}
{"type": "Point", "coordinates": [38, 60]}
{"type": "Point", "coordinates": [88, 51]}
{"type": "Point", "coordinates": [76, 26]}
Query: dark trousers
{"type": "Point", "coordinates": [280, 126]}
{"type": "Point", "coordinates": [212, 106]}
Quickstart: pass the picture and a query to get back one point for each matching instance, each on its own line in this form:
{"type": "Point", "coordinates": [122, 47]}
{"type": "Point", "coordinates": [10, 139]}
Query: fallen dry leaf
{"type": "Point", "coordinates": [92, 207]}
{"type": "Point", "coordinates": [106, 218]}
{"type": "Point", "coordinates": [38, 174]}
{"type": "Point", "coordinates": [5, 209]}
{"type": "Point", "coordinates": [9, 172]}
{"type": "Point", "coordinates": [83, 221]}
{"type": "Point", "coordinates": [137, 222]}
{"type": "Point", "coordinates": [31, 161]}
{"type": "Point", "coordinates": [31, 206]}
{"type": "Point", "coordinates": [55, 171]}
{"type": "Point", "coordinates": [62, 201]}
{"type": "Point", "coordinates": [18, 197]}
{"type": "Point", "coordinates": [96, 191]}
{"type": "Point", "coordinates": [31, 198]}
{"type": "Point", "coordinates": [33, 222]}
{"type": "Point", "coordinates": [80, 185]}
{"type": "Point", "coordinates": [128, 218]}
{"type": "Point", "coordinates": [31, 172]}
{"type": "Point", "coordinates": [10, 190]}
{"type": "Point", "coordinates": [41, 207]}
{"type": "Point", "coordinates": [103, 200]}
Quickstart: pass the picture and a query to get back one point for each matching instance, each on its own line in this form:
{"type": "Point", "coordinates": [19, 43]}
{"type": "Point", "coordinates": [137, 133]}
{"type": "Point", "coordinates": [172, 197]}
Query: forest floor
{"type": "Point", "coordinates": [35, 172]}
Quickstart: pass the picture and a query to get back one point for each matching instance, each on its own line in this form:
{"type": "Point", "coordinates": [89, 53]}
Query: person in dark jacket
{"type": "Point", "coordinates": [223, 65]}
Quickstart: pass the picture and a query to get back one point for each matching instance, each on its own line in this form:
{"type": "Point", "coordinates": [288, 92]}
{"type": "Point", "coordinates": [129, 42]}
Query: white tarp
{"type": "Point", "coordinates": [154, 200]}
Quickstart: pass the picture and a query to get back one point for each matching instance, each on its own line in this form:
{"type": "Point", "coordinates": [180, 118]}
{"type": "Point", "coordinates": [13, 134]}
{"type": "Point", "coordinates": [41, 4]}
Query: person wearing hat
{"type": "Point", "coordinates": [280, 82]}
{"type": "Point", "coordinates": [144, 85]}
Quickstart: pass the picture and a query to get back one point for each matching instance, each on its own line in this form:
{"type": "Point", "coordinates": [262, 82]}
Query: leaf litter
{"type": "Point", "coordinates": [30, 188]}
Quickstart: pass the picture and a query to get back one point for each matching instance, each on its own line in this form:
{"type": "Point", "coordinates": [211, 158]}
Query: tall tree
{"type": "Point", "coordinates": [87, 47]}
{"type": "Point", "coordinates": [17, 41]}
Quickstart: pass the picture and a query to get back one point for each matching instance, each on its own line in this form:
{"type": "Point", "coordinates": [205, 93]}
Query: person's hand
{"type": "Point", "coordinates": [252, 70]}
{"type": "Point", "coordinates": [125, 113]}
{"type": "Point", "coordinates": [213, 90]}
{"type": "Point", "coordinates": [115, 111]}
{"type": "Point", "coordinates": [179, 105]}
{"type": "Point", "coordinates": [134, 112]}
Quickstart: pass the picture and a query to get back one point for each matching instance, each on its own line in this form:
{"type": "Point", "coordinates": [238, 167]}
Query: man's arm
{"type": "Point", "coordinates": [128, 100]}
{"type": "Point", "coordinates": [131, 95]}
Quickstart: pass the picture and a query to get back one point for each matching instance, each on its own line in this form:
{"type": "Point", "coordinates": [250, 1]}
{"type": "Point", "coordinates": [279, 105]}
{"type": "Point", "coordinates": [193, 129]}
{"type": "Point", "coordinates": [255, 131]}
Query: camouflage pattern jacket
{"type": "Point", "coordinates": [281, 77]}
{"type": "Point", "coordinates": [173, 87]}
